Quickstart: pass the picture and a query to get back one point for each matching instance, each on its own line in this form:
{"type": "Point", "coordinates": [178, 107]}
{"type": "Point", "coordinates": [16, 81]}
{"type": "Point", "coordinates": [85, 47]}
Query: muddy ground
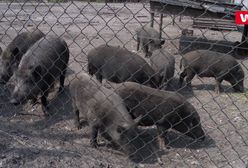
{"type": "Point", "coordinates": [28, 139]}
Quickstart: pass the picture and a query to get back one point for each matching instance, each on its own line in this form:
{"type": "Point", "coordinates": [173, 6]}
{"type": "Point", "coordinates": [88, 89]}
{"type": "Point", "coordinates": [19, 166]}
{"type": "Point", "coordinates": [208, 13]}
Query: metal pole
{"type": "Point", "coordinates": [160, 25]}
{"type": "Point", "coordinates": [152, 19]}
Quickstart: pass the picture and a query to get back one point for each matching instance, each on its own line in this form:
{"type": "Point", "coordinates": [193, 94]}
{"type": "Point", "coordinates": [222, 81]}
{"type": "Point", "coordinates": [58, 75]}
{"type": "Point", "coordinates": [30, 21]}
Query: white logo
{"type": "Point", "coordinates": [244, 17]}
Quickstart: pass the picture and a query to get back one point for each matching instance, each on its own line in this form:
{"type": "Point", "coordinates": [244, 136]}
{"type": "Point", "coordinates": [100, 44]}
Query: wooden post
{"type": "Point", "coordinates": [245, 33]}
{"type": "Point", "coordinates": [152, 19]}
{"type": "Point", "coordinates": [242, 49]}
{"type": "Point", "coordinates": [160, 25]}
{"type": "Point", "coordinates": [173, 20]}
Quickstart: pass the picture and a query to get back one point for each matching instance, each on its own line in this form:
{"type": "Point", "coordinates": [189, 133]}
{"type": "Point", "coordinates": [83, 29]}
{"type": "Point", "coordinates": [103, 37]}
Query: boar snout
{"type": "Point", "coordinates": [198, 136]}
{"type": "Point", "coordinates": [4, 79]}
{"type": "Point", "coordinates": [14, 101]}
{"type": "Point", "coordinates": [239, 88]}
{"type": "Point", "coordinates": [202, 139]}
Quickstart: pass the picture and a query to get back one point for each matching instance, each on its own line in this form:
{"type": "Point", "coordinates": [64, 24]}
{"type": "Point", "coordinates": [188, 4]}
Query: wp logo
{"type": "Point", "coordinates": [241, 17]}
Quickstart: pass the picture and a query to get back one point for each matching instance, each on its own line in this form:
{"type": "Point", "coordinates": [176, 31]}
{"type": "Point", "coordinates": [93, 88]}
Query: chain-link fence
{"type": "Point", "coordinates": [185, 104]}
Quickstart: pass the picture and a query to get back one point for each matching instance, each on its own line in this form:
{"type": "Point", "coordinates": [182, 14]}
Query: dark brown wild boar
{"type": "Point", "coordinates": [150, 40]}
{"type": "Point", "coordinates": [12, 55]}
{"type": "Point", "coordinates": [105, 113]}
{"type": "Point", "coordinates": [163, 63]}
{"type": "Point", "coordinates": [118, 65]}
{"type": "Point", "coordinates": [207, 63]}
{"type": "Point", "coordinates": [41, 66]}
{"type": "Point", "coordinates": [165, 109]}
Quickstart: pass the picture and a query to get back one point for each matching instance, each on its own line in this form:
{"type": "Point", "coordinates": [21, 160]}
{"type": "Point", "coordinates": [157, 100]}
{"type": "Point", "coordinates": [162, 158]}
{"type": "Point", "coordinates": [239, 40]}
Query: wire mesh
{"type": "Point", "coordinates": [121, 105]}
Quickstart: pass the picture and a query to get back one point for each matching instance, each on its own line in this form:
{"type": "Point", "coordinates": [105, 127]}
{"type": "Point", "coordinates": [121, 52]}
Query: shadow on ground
{"type": "Point", "coordinates": [178, 140]}
{"type": "Point", "coordinates": [60, 109]}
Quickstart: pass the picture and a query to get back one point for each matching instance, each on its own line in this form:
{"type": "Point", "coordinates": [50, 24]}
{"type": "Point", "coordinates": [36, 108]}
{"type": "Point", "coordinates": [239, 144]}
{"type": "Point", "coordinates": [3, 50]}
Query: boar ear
{"type": "Point", "coordinates": [137, 120]}
{"type": "Point", "coordinates": [120, 129]}
{"type": "Point", "coordinates": [237, 43]}
{"type": "Point", "coordinates": [37, 71]}
{"type": "Point", "coordinates": [162, 41]}
{"type": "Point", "coordinates": [127, 127]}
{"type": "Point", "coordinates": [240, 70]}
{"type": "Point", "coordinates": [150, 41]}
{"type": "Point", "coordinates": [194, 122]}
{"type": "Point", "coordinates": [15, 51]}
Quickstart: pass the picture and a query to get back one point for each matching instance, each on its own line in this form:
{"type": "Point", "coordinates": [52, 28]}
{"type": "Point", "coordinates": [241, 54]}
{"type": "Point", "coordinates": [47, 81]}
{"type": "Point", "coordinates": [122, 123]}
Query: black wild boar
{"type": "Point", "coordinates": [105, 113]}
{"type": "Point", "coordinates": [150, 40]}
{"type": "Point", "coordinates": [165, 109]}
{"type": "Point", "coordinates": [40, 67]}
{"type": "Point", "coordinates": [11, 56]}
{"type": "Point", "coordinates": [118, 65]}
{"type": "Point", "coordinates": [207, 63]}
{"type": "Point", "coordinates": [163, 63]}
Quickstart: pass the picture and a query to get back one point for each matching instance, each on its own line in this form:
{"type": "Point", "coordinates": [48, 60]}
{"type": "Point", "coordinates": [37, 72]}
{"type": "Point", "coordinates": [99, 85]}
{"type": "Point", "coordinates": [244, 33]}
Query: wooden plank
{"type": "Point", "coordinates": [205, 19]}
{"type": "Point", "coordinates": [212, 21]}
{"type": "Point", "coordinates": [218, 24]}
{"type": "Point", "coordinates": [214, 24]}
{"type": "Point", "coordinates": [215, 27]}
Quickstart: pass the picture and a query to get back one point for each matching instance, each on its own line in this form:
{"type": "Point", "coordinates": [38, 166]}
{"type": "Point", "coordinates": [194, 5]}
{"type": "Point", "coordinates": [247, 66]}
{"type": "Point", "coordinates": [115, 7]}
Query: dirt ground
{"type": "Point", "coordinates": [28, 139]}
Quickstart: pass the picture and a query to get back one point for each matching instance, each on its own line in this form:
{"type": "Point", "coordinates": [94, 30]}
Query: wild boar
{"type": "Point", "coordinates": [165, 109]}
{"type": "Point", "coordinates": [39, 69]}
{"type": "Point", "coordinates": [11, 56]}
{"type": "Point", "coordinates": [207, 63]}
{"type": "Point", "coordinates": [150, 40]}
{"type": "Point", "coordinates": [163, 63]}
{"type": "Point", "coordinates": [104, 111]}
{"type": "Point", "coordinates": [118, 65]}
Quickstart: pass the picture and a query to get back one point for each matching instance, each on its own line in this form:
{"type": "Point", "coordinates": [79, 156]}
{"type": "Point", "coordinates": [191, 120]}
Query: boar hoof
{"type": "Point", "coordinates": [189, 86]}
{"type": "Point", "coordinates": [45, 111]}
{"type": "Point", "coordinates": [47, 114]}
{"type": "Point", "coordinates": [115, 146]}
{"type": "Point", "coordinates": [93, 143]}
{"type": "Point", "coordinates": [160, 162]}
{"type": "Point", "coordinates": [34, 101]}
{"type": "Point", "coordinates": [61, 90]}
{"type": "Point", "coordinates": [136, 165]}
{"type": "Point", "coordinates": [161, 144]}
{"type": "Point", "coordinates": [218, 90]}
{"type": "Point", "coordinates": [78, 125]}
